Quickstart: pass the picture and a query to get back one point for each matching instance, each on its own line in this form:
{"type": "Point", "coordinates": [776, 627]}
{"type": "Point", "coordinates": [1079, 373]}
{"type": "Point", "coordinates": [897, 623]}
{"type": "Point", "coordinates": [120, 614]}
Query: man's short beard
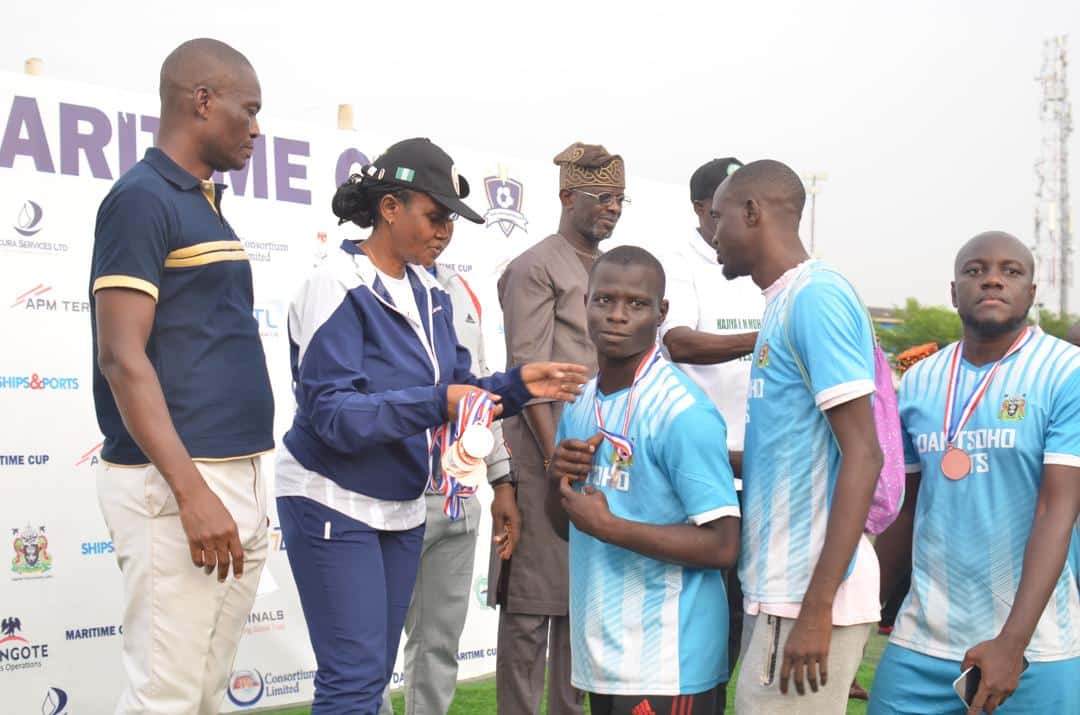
{"type": "Point", "coordinates": [596, 235]}
{"type": "Point", "coordinates": [993, 329]}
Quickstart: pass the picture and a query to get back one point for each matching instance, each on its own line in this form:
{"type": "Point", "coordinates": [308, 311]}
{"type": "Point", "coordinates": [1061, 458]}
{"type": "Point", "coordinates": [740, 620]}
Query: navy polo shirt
{"type": "Point", "coordinates": [160, 231]}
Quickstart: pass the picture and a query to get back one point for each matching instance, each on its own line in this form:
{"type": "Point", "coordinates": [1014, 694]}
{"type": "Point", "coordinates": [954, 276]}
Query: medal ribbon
{"type": "Point", "coordinates": [474, 408]}
{"type": "Point", "coordinates": [951, 433]}
{"type": "Point", "coordinates": [620, 441]}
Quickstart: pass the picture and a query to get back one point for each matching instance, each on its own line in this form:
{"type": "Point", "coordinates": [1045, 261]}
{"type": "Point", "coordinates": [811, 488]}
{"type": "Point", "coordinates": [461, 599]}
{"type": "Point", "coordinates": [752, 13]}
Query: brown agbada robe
{"type": "Point", "coordinates": [542, 294]}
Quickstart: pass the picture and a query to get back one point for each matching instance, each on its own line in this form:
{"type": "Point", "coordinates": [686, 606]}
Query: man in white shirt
{"type": "Point", "coordinates": [709, 333]}
{"type": "Point", "coordinates": [712, 323]}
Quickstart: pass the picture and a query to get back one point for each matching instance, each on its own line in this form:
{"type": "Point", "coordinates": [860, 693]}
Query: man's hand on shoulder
{"type": "Point", "coordinates": [694, 347]}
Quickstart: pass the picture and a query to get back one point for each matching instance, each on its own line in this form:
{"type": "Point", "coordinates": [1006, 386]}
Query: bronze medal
{"type": "Point", "coordinates": [955, 463]}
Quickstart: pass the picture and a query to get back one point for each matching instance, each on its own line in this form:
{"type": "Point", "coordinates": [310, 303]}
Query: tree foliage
{"type": "Point", "coordinates": [921, 324]}
{"type": "Point", "coordinates": [1055, 324]}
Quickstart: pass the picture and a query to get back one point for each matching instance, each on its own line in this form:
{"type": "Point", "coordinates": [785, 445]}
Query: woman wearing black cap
{"type": "Point", "coordinates": [376, 369]}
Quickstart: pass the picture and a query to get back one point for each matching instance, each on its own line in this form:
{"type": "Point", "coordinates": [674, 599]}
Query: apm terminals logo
{"type": "Point", "coordinates": [42, 299]}
{"type": "Point", "coordinates": [91, 456]}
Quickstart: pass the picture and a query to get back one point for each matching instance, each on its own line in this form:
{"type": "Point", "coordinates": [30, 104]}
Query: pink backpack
{"type": "Point", "coordinates": [889, 492]}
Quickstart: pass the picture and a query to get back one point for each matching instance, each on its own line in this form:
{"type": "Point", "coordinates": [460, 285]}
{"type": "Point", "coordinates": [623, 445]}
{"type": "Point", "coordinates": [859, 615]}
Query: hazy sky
{"type": "Point", "coordinates": [923, 114]}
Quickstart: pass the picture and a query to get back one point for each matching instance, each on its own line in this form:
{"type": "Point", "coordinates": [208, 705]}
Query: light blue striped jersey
{"type": "Point", "coordinates": [792, 461]}
{"type": "Point", "coordinates": [639, 625]}
{"type": "Point", "coordinates": [970, 534]}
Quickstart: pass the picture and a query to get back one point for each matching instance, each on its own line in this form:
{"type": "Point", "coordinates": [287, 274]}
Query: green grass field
{"type": "Point", "coordinates": [478, 697]}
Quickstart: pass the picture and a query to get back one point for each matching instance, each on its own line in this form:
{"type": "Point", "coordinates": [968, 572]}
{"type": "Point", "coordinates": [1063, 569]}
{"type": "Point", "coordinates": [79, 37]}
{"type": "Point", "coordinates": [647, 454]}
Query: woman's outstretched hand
{"type": "Point", "coordinates": [554, 380]}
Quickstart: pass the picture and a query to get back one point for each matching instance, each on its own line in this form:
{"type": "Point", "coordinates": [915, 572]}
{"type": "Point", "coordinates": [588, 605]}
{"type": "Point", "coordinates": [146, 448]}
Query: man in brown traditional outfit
{"type": "Point", "coordinates": [542, 294]}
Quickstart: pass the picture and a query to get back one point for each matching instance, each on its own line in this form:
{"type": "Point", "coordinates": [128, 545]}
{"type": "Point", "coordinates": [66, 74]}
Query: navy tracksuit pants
{"type": "Point", "coordinates": [355, 583]}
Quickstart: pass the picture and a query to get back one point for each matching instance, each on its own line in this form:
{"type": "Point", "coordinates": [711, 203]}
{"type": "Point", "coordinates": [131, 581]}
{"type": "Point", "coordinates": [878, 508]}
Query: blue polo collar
{"type": "Point", "coordinates": [170, 170]}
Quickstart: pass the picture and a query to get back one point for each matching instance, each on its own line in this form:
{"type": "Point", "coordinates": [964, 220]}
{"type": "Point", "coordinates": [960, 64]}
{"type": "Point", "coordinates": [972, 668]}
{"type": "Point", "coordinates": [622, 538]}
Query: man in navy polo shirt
{"type": "Point", "coordinates": [181, 390]}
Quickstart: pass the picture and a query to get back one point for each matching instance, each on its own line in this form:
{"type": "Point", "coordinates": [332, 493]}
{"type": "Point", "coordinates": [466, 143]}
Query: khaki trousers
{"type": "Point", "coordinates": [181, 626]}
{"type": "Point", "coordinates": [758, 689]}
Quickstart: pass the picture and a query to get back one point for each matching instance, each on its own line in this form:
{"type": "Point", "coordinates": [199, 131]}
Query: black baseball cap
{"type": "Point", "coordinates": [708, 176]}
{"type": "Point", "coordinates": [420, 165]}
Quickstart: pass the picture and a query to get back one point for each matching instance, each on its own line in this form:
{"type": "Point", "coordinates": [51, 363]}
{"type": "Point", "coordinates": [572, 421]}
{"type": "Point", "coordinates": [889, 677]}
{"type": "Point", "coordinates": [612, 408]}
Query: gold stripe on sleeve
{"type": "Point", "coordinates": [206, 247]}
{"type": "Point", "coordinates": [131, 282]}
{"type": "Point", "coordinates": [206, 258]}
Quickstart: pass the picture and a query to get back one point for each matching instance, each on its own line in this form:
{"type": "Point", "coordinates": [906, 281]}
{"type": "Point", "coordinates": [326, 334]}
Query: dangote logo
{"type": "Point", "coordinates": [9, 627]}
{"type": "Point", "coordinates": [1012, 408]}
{"type": "Point", "coordinates": [28, 221]}
{"type": "Point", "coordinates": [31, 551]}
{"type": "Point", "coordinates": [18, 652]}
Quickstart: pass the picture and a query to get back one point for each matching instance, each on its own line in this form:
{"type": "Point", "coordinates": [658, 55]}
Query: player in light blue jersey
{"type": "Point", "coordinates": [991, 428]}
{"type": "Point", "coordinates": [1073, 336]}
{"type": "Point", "coordinates": [656, 517]}
{"type": "Point", "coordinates": [811, 459]}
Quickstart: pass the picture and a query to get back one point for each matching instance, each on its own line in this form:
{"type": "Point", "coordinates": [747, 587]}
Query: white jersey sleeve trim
{"type": "Point", "coordinates": [912, 468]}
{"type": "Point", "coordinates": [1067, 460]}
{"type": "Point", "coordinates": [714, 514]}
{"type": "Point", "coordinates": [830, 397]}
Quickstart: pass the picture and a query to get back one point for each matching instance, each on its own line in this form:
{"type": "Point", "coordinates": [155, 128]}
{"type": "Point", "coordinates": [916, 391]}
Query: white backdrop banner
{"type": "Point", "coordinates": [61, 147]}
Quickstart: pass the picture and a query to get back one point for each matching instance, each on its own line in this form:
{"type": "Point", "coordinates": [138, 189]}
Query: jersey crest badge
{"type": "Point", "coordinates": [1012, 408]}
{"type": "Point", "coordinates": [763, 356]}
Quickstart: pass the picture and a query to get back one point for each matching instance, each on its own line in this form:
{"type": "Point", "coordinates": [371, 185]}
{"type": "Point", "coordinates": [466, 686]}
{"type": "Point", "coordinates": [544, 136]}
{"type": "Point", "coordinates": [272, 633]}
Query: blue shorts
{"type": "Point", "coordinates": [911, 683]}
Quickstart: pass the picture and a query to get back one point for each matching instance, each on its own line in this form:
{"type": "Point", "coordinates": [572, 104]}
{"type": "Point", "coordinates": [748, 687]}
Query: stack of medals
{"type": "Point", "coordinates": [464, 446]}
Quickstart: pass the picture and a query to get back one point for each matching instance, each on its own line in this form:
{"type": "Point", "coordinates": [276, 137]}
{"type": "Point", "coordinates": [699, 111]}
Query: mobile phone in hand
{"type": "Point", "coordinates": [968, 683]}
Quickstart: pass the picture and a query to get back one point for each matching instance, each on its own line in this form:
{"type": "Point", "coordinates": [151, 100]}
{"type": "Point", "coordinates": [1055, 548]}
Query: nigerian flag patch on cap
{"type": "Point", "coordinates": [403, 174]}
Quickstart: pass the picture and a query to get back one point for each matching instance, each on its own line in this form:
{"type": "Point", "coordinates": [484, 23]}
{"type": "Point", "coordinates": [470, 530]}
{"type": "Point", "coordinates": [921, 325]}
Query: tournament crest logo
{"type": "Point", "coordinates": [32, 556]}
{"type": "Point", "coordinates": [763, 356]}
{"type": "Point", "coordinates": [506, 197]}
{"type": "Point", "coordinates": [1013, 408]}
